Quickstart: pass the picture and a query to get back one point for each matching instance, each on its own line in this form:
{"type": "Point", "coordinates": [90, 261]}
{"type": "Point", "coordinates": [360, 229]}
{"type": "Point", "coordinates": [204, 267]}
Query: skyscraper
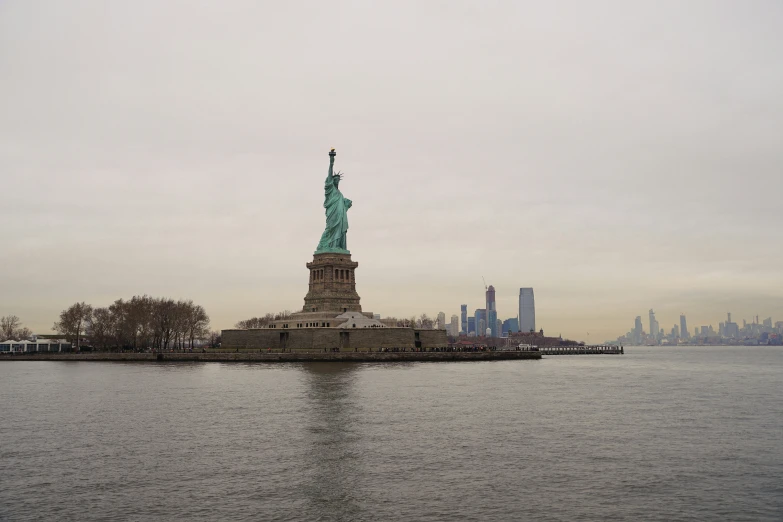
{"type": "Point", "coordinates": [481, 315]}
{"type": "Point", "coordinates": [471, 325]}
{"type": "Point", "coordinates": [441, 321]}
{"type": "Point", "coordinates": [527, 310]}
{"type": "Point", "coordinates": [454, 325]}
{"type": "Point", "coordinates": [510, 325]}
{"type": "Point", "coordinates": [498, 328]}
{"type": "Point", "coordinates": [732, 328]}
{"type": "Point", "coordinates": [655, 330]}
{"type": "Point", "coordinates": [684, 327]}
{"type": "Point", "coordinates": [490, 296]}
{"type": "Point", "coordinates": [492, 312]}
{"type": "Point", "coordinates": [492, 319]}
{"type": "Point", "coordinates": [638, 330]}
{"type": "Point", "coordinates": [463, 311]}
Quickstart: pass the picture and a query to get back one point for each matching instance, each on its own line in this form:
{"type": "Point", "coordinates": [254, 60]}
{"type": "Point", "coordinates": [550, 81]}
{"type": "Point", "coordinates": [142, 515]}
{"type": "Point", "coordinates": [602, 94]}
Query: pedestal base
{"type": "Point", "coordinates": [332, 284]}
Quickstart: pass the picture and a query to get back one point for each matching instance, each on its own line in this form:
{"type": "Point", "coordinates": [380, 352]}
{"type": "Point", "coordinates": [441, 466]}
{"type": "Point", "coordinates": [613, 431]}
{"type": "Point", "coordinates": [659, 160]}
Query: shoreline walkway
{"type": "Point", "coordinates": [246, 356]}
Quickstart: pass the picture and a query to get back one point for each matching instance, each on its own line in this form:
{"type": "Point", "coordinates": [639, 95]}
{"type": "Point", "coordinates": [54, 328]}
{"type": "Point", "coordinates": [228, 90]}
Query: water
{"type": "Point", "coordinates": [657, 434]}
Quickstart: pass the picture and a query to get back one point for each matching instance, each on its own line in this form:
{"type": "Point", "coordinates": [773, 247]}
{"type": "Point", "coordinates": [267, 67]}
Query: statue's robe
{"type": "Point", "coordinates": [334, 236]}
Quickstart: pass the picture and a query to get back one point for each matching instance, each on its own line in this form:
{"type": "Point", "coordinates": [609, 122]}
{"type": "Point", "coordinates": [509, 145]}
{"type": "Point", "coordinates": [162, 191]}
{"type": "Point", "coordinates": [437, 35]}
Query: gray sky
{"type": "Point", "coordinates": [615, 156]}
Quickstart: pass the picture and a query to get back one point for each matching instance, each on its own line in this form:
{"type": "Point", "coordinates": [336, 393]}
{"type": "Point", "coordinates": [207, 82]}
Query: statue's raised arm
{"type": "Point", "coordinates": [332, 154]}
{"type": "Point", "coordinates": [334, 237]}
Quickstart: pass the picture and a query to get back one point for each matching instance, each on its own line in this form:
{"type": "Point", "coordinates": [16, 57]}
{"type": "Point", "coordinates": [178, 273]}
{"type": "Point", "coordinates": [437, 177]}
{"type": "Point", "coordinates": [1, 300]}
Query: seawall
{"type": "Point", "coordinates": [319, 339]}
{"type": "Point", "coordinates": [276, 357]}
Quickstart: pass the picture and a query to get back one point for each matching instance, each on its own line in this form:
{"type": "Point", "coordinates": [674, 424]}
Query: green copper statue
{"type": "Point", "coordinates": [333, 239]}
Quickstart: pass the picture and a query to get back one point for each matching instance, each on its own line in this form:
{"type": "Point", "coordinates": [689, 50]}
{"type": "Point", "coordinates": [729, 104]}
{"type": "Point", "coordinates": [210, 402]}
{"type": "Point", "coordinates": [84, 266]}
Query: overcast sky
{"type": "Point", "coordinates": [616, 156]}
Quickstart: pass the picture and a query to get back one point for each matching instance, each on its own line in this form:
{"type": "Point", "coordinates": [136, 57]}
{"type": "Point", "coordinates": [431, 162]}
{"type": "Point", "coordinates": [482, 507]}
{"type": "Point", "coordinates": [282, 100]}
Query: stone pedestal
{"type": "Point", "coordinates": [332, 284]}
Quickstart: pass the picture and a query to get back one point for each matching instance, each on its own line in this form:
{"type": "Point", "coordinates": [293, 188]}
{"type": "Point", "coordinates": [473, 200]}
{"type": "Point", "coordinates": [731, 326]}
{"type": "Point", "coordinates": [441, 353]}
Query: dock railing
{"type": "Point", "coordinates": [581, 350]}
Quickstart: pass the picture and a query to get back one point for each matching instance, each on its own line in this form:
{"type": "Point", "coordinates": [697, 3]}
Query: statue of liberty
{"type": "Point", "coordinates": [333, 239]}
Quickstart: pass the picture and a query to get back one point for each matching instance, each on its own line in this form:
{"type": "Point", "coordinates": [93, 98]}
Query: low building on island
{"type": "Point", "coordinates": [37, 346]}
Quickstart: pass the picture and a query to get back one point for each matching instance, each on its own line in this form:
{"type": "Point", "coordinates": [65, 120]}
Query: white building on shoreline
{"type": "Point", "coordinates": [41, 345]}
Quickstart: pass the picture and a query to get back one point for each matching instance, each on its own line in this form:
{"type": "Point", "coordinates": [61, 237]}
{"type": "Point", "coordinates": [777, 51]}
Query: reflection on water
{"type": "Point", "coordinates": [331, 454]}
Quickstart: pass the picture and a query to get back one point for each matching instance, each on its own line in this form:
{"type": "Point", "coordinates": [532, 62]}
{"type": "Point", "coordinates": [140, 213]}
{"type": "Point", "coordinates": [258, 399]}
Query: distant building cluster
{"type": "Point", "coordinates": [728, 332]}
{"type": "Point", "coordinates": [485, 322]}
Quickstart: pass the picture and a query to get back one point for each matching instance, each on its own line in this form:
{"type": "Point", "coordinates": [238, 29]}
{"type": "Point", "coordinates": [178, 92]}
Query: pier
{"type": "Point", "coordinates": [581, 350]}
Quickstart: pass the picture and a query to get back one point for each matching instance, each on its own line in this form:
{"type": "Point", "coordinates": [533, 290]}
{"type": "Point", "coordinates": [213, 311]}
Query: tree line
{"type": "Point", "coordinates": [423, 321]}
{"type": "Point", "coordinates": [137, 323]}
{"type": "Point", "coordinates": [262, 321]}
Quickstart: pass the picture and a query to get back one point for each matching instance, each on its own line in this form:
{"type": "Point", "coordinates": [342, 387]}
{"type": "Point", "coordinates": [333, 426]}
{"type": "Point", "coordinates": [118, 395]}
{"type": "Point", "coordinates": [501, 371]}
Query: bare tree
{"type": "Point", "coordinates": [197, 323]}
{"type": "Point", "coordinates": [9, 327]}
{"type": "Point", "coordinates": [164, 311]}
{"type": "Point", "coordinates": [179, 322]}
{"type": "Point", "coordinates": [141, 324]}
{"type": "Point", "coordinates": [123, 333]}
{"type": "Point", "coordinates": [72, 322]}
{"type": "Point", "coordinates": [285, 314]}
{"type": "Point", "coordinates": [426, 322]}
{"type": "Point", "coordinates": [101, 328]}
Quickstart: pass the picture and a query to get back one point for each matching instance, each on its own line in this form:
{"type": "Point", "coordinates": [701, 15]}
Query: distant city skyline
{"type": "Point", "coordinates": [764, 331]}
{"type": "Point", "coordinates": [678, 330]}
{"type": "Point", "coordinates": [493, 320]}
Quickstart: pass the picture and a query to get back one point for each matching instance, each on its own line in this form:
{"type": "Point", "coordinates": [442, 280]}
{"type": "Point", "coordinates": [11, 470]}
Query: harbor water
{"type": "Point", "coordinates": [660, 433]}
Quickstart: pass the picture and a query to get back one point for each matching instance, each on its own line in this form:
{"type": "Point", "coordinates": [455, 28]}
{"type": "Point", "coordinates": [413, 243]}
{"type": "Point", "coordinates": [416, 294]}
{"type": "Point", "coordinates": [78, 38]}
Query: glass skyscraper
{"type": "Point", "coordinates": [527, 310]}
{"type": "Point", "coordinates": [510, 326]}
{"type": "Point", "coordinates": [463, 311]}
{"type": "Point", "coordinates": [492, 319]}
